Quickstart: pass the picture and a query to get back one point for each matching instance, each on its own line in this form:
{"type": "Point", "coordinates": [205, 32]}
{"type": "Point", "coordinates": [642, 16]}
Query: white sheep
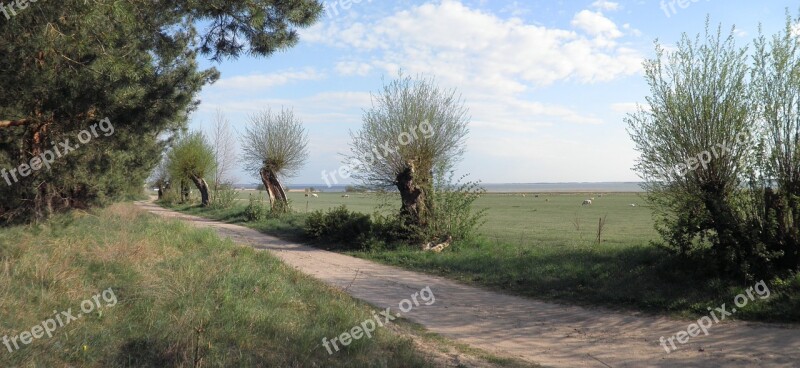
{"type": "Point", "coordinates": [587, 202]}
{"type": "Point", "coordinates": [315, 195]}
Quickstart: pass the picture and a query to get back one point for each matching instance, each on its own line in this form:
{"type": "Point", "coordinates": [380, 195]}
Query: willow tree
{"type": "Point", "coordinates": [694, 139]}
{"type": "Point", "coordinates": [275, 145]}
{"type": "Point", "coordinates": [776, 80]}
{"type": "Point", "coordinates": [160, 177]}
{"type": "Point", "coordinates": [192, 157]}
{"type": "Point", "coordinates": [412, 130]}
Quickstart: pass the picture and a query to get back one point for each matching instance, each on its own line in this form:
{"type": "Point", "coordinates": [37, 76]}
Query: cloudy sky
{"type": "Point", "coordinates": [547, 83]}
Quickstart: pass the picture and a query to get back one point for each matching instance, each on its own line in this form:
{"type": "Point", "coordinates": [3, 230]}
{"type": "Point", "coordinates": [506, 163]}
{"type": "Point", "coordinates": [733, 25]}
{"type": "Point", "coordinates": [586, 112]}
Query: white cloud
{"type": "Point", "coordinates": [269, 80]}
{"type": "Point", "coordinates": [606, 5]}
{"type": "Point", "coordinates": [349, 68]}
{"type": "Point", "coordinates": [504, 55]}
{"type": "Point", "coordinates": [492, 61]}
{"type": "Point", "coordinates": [515, 9]}
{"type": "Point", "coordinates": [596, 24]}
{"type": "Point", "coordinates": [630, 30]}
{"type": "Point", "coordinates": [627, 107]}
{"type": "Point", "coordinates": [324, 107]}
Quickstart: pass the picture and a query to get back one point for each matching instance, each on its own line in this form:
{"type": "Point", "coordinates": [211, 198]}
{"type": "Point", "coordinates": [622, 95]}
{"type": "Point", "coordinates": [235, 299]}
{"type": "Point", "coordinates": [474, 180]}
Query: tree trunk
{"type": "Point", "coordinates": [277, 196]}
{"type": "Point", "coordinates": [43, 199]}
{"type": "Point", "coordinates": [732, 240]}
{"type": "Point", "coordinates": [782, 215]}
{"type": "Point", "coordinates": [184, 191]}
{"type": "Point", "coordinates": [412, 196]}
{"type": "Point", "coordinates": [202, 186]}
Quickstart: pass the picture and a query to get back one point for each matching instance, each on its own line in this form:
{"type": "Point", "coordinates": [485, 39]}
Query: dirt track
{"type": "Point", "coordinates": [545, 333]}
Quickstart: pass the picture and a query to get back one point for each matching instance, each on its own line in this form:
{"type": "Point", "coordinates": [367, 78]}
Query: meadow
{"type": "Point", "coordinates": [167, 310]}
{"type": "Point", "coordinates": [529, 220]}
{"type": "Point", "coordinates": [546, 247]}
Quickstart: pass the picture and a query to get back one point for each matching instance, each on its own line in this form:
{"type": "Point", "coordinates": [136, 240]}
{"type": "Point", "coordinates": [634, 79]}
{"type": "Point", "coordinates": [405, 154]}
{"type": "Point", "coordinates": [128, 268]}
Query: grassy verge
{"type": "Point", "coordinates": [167, 294]}
{"type": "Point", "coordinates": [560, 264]}
{"type": "Point", "coordinates": [633, 278]}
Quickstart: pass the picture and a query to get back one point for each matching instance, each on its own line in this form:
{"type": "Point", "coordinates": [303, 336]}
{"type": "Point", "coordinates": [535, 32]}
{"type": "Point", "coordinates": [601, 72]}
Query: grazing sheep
{"type": "Point", "coordinates": [315, 195]}
{"type": "Point", "coordinates": [587, 202]}
{"type": "Point", "coordinates": [633, 204]}
{"type": "Point", "coordinates": [523, 194]}
{"type": "Point", "coordinates": [345, 196]}
{"type": "Point", "coordinates": [591, 199]}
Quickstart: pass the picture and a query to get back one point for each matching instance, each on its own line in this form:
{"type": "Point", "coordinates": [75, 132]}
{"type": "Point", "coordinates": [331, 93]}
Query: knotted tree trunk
{"type": "Point", "coordinates": [413, 197]}
{"type": "Point", "coordinates": [277, 196]}
{"type": "Point", "coordinates": [202, 186]}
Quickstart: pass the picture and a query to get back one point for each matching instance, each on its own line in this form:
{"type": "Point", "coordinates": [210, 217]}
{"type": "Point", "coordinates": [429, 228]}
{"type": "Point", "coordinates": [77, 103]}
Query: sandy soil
{"type": "Point", "coordinates": [545, 333]}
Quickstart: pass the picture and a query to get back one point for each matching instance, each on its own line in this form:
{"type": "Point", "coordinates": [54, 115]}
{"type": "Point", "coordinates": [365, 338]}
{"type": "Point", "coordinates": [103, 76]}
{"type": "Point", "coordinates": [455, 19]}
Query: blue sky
{"type": "Point", "coordinates": [547, 83]}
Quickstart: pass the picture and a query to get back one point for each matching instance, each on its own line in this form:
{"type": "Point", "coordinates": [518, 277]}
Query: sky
{"type": "Point", "coordinates": [547, 83]}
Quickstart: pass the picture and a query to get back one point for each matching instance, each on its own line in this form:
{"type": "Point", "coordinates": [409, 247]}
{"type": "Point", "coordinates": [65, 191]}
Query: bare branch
{"type": "Point", "coordinates": [224, 144]}
{"type": "Point", "coordinates": [275, 141]}
{"type": "Point", "coordinates": [15, 123]}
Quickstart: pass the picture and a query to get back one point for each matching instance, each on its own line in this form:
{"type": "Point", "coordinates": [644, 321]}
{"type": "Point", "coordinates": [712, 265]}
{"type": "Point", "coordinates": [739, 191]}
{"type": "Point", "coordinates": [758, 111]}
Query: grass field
{"type": "Point", "coordinates": [529, 220]}
{"type": "Point", "coordinates": [158, 305]}
{"type": "Point", "coordinates": [545, 247]}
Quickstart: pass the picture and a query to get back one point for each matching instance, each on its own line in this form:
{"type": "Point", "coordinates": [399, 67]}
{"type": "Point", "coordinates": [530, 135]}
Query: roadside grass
{"type": "Point", "coordinates": [545, 246]}
{"type": "Point", "coordinates": [184, 298]}
{"type": "Point", "coordinates": [640, 278]}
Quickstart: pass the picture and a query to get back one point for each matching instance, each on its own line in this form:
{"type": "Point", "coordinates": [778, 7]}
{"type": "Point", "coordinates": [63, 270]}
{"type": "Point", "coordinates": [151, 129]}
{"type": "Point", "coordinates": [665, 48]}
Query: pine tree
{"type": "Point", "coordinates": [68, 65]}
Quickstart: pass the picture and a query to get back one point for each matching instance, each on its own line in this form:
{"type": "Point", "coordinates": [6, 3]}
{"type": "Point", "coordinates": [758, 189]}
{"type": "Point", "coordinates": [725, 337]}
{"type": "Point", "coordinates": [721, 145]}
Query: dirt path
{"type": "Point", "coordinates": [544, 333]}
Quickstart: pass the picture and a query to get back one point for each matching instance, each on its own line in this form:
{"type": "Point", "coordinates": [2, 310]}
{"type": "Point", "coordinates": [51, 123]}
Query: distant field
{"type": "Point", "coordinates": [552, 217]}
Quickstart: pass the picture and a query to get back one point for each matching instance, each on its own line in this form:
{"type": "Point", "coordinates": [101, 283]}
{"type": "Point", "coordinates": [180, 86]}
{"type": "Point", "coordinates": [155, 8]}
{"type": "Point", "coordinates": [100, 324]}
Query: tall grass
{"type": "Point", "coordinates": [185, 298]}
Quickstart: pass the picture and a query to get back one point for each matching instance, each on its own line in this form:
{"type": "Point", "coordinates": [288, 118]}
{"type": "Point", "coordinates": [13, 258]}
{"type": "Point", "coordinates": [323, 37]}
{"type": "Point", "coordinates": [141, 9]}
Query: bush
{"type": "Point", "coordinates": [341, 228]}
{"type": "Point", "coordinates": [392, 229]}
{"type": "Point", "coordinates": [452, 214]}
{"type": "Point", "coordinates": [256, 210]}
{"type": "Point", "coordinates": [224, 197]}
{"type": "Point", "coordinates": [170, 197]}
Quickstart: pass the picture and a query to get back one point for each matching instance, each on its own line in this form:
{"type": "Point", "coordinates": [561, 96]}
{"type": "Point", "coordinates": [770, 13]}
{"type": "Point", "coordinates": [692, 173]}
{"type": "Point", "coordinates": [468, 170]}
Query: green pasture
{"type": "Point", "coordinates": [536, 218]}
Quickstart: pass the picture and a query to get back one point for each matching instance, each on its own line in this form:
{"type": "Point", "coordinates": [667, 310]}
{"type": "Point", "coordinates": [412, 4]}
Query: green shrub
{"type": "Point", "coordinates": [392, 229]}
{"type": "Point", "coordinates": [256, 210]}
{"type": "Point", "coordinates": [452, 214]}
{"type": "Point", "coordinates": [170, 197]}
{"type": "Point", "coordinates": [340, 228]}
{"type": "Point", "coordinates": [224, 197]}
